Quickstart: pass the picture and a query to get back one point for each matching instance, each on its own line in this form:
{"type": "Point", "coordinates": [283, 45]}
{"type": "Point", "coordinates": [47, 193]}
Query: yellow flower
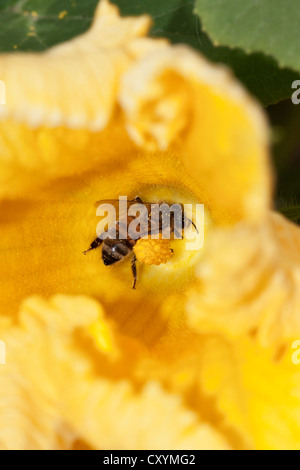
{"type": "Point", "coordinates": [199, 355]}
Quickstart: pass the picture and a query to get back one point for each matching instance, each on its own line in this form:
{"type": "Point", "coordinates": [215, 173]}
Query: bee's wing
{"type": "Point", "coordinates": [108, 211]}
{"type": "Point", "coordinates": [120, 211]}
{"type": "Point", "coordinates": [144, 225]}
{"type": "Point", "coordinates": [123, 209]}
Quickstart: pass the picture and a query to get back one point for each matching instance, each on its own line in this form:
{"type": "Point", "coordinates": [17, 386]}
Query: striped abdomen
{"type": "Point", "coordinates": [116, 250]}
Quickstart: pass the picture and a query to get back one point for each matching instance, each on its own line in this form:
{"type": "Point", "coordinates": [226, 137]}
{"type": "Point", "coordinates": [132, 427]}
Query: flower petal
{"type": "Point", "coordinates": [258, 395]}
{"type": "Point", "coordinates": [174, 96]}
{"type": "Point", "coordinates": [50, 373]}
{"type": "Point", "coordinates": [249, 283]}
{"type": "Point", "coordinates": [58, 101]}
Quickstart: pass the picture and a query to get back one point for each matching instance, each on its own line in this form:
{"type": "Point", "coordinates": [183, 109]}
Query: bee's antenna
{"type": "Point", "coordinates": [194, 226]}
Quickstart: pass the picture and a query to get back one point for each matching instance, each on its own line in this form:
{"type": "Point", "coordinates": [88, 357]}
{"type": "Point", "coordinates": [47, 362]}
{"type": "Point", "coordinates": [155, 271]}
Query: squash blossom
{"type": "Point", "coordinates": [199, 356]}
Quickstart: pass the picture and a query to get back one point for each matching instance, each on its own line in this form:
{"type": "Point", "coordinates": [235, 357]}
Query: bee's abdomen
{"type": "Point", "coordinates": [115, 250]}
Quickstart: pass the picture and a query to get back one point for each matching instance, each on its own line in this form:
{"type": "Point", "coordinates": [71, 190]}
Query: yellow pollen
{"type": "Point", "coordinates": [153, 251]}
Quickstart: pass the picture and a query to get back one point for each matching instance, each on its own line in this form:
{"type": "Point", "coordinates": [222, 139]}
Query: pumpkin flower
{"type": "Point", "coordinates": [199, 355]}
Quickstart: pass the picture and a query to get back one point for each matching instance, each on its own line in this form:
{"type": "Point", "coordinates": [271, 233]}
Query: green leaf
{"type": "Point", "coordinates": [35, 25]}
{"type": "Point", "coordinates": [285, 121]}
{"type": "Point", "coordinates": [268, 26]}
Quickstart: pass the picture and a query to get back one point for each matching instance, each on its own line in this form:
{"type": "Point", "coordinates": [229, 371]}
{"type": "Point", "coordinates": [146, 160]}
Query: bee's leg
{"type": "Point", "coordinates": [97, 242]}
{"type": "Point", "coordinates": [133, 269]}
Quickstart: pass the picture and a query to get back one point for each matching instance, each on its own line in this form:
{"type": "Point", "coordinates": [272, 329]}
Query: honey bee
{"type": "Point", "coordinates": [117, 244]}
